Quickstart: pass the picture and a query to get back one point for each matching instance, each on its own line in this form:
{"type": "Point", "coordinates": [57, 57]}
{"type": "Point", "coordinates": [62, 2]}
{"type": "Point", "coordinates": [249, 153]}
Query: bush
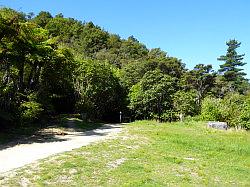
{"type": "Point", "coordinates": [233, 109]}
{"type": "Point", "coordinates": [210, 109]}
{"type": "Point", "coordinates": [185, 103]}
{"type": "Point", "coordinates": [30, 111]}
{"type": "Point", "coordinates": [170, 115]}
{"type": "Point", "coordinates": [246, 114]}
{"type": "Point", "coordinates": [193, 118]}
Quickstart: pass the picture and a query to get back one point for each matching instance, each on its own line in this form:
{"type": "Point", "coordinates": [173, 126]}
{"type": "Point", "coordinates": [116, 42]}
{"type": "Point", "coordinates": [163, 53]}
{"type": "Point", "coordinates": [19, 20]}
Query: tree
{"type": "Point", "coordinates": [231, 70]}
{"type": "Point", "coordinates": [56, 80]}
{"type": "Point", "coordinates": [184, 103]}
{"type": "Point", "coordinates": [111, 53]}
{"type": "Point", "coordinates": [201, 79]}
{"type": "Point", "coordinates": [152, 96]}
{"type": "Point", "coordinates": [132, 49]}
{"type": "Point", "coordinates": [234, 109]}
{"type": "Point", "coordinates": [13, 48]}
{"type": "Point", "coordinates": [92, 39]}
{"type": "Point", "coordinates": [133, 72]}
{"type": "Point", "coordinates": [33, 69]}
{"type": "Point", "coordinates": [66, 30]}
{"type": "Point", "coordinates": [171, 66]}
{"type": "Point", "coordinates": [42, 19]}
{"type": "Point", "coordinates": [157, 53]}
{"type": "Point", "coordinates": [98, 90]}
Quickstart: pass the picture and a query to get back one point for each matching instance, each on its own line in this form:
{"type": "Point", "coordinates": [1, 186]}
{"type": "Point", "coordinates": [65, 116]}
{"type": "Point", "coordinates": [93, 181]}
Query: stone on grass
{"type": "Point", "coordinates": [217, 125]}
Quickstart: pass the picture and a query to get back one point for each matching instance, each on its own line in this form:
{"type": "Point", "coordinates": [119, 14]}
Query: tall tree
{"type": "Point", "coordinates": [132, 49]}
{"type": "Point", "coordinates": [97, 88]}
{"type": "Point", "coordinates": [42, 18]}
{"type": "Point", "coordinates": [201, 79]}
{"type": "Point", "coordinates": [231, 70]}
{"type": "Point", "coordinates": [157, 53]}
{"type": "Point", "coordinates": [152, 96]}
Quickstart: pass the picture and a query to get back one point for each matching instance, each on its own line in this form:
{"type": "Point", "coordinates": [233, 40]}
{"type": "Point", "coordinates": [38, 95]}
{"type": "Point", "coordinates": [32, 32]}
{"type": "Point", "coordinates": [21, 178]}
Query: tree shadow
{"type": "Point", "coordinates": [37, 137]}
{"type": "Point", "coordinates": [58, 131]}
{"type": "Point", "coordinates": [81, 126]}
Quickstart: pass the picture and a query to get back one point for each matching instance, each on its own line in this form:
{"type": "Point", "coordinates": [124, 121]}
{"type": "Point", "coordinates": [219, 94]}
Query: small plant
{"type": "Point", "coordinates": [30, 111]}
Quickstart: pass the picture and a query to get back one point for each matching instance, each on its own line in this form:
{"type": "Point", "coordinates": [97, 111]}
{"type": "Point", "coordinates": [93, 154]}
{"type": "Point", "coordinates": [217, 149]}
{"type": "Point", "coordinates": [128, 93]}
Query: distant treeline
{"type": "Point", "coordinates": [51, 65]}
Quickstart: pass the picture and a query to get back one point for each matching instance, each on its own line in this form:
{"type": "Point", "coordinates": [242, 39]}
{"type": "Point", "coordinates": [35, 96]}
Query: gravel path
{"type": "Point", "coordinates": [26, 153]}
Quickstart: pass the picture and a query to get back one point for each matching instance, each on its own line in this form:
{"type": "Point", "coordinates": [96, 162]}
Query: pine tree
{"type": "Point", "coordinates": [231, 70]}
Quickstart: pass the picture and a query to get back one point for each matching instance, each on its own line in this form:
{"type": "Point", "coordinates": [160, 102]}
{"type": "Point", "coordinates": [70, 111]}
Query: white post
{"type": "Point", "coordinates": [120, 116]}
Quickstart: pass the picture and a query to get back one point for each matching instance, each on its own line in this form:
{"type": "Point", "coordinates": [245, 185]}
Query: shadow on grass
{"type": "Point", "coordinates": [61, 128]}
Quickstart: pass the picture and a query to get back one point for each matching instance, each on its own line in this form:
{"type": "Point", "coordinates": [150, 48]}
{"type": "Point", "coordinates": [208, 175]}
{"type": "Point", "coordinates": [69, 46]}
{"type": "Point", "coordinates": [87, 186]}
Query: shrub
{"type": "Point", "coordinates": [193, 118]}
{"type": "Point", "coordinates": [246, 114]}
{"type": "Point", "coordinates": [170, 115]}
{"type": "Point", "coordinates": [210, 109]}
{"type": "Point", "coordinates": [233, 109]}
{"type": "Point", "coordinates": [30, 111]}
{"type": "Point", "coordinates": [185, 103]}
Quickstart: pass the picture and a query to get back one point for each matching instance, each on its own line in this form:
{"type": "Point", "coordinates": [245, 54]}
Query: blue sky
{"type": "Point", "coordinates": [192, 30]}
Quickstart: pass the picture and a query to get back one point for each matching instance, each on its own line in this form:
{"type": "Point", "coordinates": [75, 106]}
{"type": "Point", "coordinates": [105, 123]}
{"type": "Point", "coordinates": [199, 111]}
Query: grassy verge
{"type": "Point", "coordinates": [148, 154]}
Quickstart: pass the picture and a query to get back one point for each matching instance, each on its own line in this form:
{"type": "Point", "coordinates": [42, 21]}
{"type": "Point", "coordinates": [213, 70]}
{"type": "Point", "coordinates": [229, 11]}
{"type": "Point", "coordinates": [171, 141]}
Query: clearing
{"type": "Point", "coordinates": [147, 153]}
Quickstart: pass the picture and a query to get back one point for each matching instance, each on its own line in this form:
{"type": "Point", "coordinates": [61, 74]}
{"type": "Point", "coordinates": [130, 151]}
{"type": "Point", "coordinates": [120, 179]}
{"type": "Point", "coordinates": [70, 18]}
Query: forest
{"type": "Point", "coordinates": [51, 65]}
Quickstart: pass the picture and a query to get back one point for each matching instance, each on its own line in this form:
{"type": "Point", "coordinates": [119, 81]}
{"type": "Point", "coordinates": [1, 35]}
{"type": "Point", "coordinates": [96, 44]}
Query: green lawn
{"type": "Point", "coordinates": [148, 154]}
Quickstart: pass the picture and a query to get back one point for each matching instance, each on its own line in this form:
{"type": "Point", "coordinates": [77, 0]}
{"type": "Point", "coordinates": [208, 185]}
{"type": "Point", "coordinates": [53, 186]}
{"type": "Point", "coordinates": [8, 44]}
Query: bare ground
{"type": "Point", "coordinates": [51, 141]}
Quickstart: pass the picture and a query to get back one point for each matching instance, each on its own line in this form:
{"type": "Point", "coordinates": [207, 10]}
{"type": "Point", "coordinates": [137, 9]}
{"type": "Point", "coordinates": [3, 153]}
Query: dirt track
{"type": "Point", "coordinates": [31, 151]}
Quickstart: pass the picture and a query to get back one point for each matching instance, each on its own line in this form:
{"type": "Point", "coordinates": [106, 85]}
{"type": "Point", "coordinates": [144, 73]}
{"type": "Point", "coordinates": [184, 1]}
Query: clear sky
{"type": "Point", "coordinates": [192, 30]}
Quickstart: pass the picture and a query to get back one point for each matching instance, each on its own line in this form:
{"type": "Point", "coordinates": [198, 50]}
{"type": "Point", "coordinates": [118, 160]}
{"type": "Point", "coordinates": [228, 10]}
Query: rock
{"type": "Point", "coordinates": [217, 125]}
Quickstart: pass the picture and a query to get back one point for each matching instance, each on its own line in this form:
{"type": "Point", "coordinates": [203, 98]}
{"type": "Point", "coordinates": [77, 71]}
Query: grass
{"type": "Point", "coordinates": [148, 154]}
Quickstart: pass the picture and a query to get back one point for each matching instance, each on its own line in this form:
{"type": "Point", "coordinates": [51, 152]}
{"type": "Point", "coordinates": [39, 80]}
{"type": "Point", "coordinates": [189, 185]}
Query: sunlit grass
{"type": "Point", "coordinates": [148, 154]}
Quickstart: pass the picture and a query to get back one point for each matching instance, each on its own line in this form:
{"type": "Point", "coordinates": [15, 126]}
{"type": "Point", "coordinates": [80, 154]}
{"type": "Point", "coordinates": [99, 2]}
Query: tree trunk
{"type": "Point", "coordinates": [20, 77]}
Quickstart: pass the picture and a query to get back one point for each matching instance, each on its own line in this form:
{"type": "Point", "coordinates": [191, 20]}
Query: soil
{"type": "Point", "coordinates": [51, 141]}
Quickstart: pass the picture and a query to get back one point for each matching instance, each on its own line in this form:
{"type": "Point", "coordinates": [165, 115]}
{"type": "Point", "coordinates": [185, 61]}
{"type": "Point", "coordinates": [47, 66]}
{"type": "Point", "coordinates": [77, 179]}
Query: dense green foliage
{"type": "Point", "coordinates": [234, 109]}
{"type": "Point", "coordinates": [53, 65]}
{"type": "Point", "coordinates": [98, 89]}
{"type": "Point", "coordinates": [153, 95]}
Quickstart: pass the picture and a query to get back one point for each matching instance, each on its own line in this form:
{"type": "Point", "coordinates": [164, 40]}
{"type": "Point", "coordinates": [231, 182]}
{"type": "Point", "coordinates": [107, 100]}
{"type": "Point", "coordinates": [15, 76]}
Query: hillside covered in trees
{"type": "Point", "coordinates": [52, 65]}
